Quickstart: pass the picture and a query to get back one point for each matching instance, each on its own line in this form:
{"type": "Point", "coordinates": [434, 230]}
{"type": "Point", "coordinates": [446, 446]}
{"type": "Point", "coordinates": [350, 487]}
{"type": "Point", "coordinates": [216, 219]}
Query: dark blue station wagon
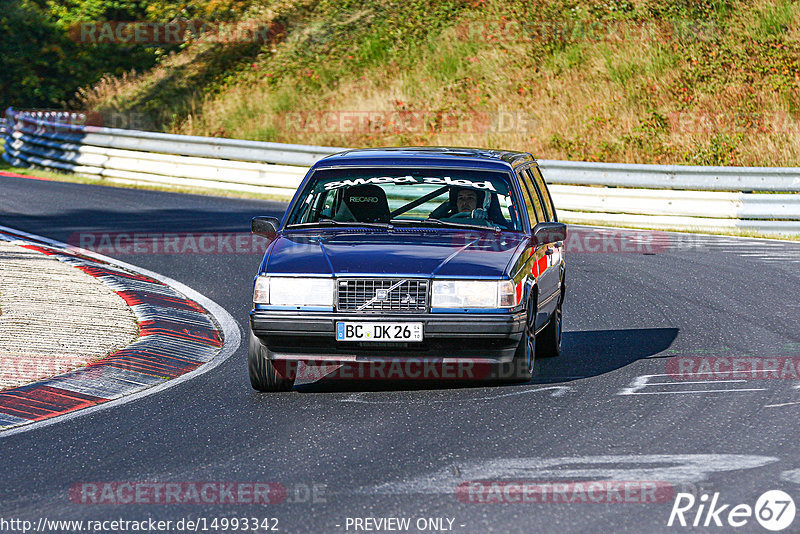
{"type": "Point", "coordinates": [427, 254]}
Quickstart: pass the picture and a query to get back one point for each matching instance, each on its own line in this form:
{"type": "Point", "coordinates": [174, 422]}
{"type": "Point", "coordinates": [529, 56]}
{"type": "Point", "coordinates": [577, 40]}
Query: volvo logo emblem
{"type": "Point", "coordinates": [382, 295]}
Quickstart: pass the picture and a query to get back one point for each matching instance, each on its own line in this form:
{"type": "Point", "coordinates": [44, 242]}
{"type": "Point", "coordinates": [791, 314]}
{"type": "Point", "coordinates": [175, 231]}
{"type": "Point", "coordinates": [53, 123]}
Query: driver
{"type": "Point", "coordinates": [467, 200]}
{"type": "Point", "coordinates": [471, 203]}
{"type": "Point", "coordinates": [464, 201]}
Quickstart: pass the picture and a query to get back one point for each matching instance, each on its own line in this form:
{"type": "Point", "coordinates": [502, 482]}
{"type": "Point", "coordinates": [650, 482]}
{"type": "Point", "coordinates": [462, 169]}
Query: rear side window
{"type": "Point", "coordinates": [545, 193]}
{"type": "Point", "coordinates": [526, 196]}
{"type": "Point", "coordinates": [532, 201]}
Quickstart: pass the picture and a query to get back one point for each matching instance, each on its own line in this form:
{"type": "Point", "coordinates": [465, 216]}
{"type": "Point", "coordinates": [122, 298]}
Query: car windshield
{"type": "Point", "coordinates": [435, 197]}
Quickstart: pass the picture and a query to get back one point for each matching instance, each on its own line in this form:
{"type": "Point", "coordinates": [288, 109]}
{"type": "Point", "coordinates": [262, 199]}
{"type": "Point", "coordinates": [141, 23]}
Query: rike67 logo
{"type": "Point", "coordinates": [774, 510]}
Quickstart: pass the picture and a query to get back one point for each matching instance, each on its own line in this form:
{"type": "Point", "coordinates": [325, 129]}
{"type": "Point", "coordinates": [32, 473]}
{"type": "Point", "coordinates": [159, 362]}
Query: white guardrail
{"type": "Point", "coordinates": [644, 196]}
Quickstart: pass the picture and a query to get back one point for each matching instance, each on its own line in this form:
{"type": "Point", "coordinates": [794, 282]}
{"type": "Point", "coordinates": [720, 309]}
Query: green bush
{"type": "Point", "coordinates": [43, 68]}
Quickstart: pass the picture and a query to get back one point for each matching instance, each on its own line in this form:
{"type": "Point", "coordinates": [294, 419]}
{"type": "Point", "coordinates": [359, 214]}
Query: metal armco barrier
{"type": "Point", "coordinates": [646, 196]}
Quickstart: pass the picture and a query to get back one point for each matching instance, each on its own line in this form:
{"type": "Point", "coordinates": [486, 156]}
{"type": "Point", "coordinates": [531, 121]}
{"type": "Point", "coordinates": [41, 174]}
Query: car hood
{"type": "Point", "coordinates": [399, 252]}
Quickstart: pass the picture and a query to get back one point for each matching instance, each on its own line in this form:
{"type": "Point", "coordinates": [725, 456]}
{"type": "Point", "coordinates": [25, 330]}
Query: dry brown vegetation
{"type": "Point", "coordinates": [695, 82]}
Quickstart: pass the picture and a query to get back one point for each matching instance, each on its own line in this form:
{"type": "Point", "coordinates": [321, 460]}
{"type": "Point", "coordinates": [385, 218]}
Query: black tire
{"type": "Point", "coordinates": [524, 357]}
{"type": "Point", "coordinates": [549, 343]}
{"type": "Point", "coordinates": [520, 369]}
{"type": "Point", "coordinates": [266, 374]}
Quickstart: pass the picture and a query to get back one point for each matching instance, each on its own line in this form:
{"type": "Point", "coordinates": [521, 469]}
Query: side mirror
{"type": "Point", "coordinates": [549, 232]}
{"type": "Point", "coordinates": [265, 226]}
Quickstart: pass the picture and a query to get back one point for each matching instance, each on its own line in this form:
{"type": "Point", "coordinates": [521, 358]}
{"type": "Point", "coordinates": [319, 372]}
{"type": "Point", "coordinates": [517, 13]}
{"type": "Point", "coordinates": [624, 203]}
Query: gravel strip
{"type": "Point", "coordinates": [54, 317]}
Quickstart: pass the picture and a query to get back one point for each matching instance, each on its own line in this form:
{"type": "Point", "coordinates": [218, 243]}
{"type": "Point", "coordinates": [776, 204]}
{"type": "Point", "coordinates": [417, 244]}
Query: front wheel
{"type": "Point", "coordinates": [549, 343]}
{"type": "Point", "coordinates": [266, 374]}
{"type": "Point", "coordinates": [520, 369]}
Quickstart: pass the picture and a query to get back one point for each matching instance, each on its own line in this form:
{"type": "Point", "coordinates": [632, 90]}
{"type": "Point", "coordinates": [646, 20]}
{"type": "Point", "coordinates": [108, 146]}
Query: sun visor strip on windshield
{"type": "Point", "coordinates": [486, 183]}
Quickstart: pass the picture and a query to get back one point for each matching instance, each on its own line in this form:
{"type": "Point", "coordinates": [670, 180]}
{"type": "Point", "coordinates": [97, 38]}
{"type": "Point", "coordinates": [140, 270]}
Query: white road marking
{"type": "Point", "coordinates": [689, 382]}
{"type": "Point", "coordinates": [791, 476]}
{"type": "Point", "coordinates": [230, 329]}
{"type": "Point", "coordinates": [692, 391]}
{"type": "Point", "coordinates": [643, 381]}
{"type": "Point", "coordinates": [780, 405]}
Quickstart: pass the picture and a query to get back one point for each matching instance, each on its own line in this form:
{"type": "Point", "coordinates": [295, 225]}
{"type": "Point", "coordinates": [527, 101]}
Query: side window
{"type": "Point", "coordinates": [545, 193]}
{"type": "Point", "coordinates": [532, 216]}
{"type": "Point", "coordinates": [541, 216]}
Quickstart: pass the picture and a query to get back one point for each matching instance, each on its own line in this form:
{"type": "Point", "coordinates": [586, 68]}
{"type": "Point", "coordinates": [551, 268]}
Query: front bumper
{"type": "Point", "coordinates": [311, 336]}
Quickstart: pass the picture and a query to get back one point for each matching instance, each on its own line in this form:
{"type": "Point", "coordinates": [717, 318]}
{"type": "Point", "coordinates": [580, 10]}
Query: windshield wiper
{"type": "Point", "coordinates": [448, 224]}
{"type": "Point", "coordinates": [332, 222]}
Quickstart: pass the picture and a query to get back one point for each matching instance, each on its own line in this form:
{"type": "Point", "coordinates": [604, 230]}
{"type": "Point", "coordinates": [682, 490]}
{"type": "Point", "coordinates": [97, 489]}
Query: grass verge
{"type": "Point", "coordinates": [702, 82]}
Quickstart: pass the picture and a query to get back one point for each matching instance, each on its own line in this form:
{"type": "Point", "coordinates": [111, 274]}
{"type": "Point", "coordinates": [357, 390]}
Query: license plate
{"type": "Point", "coordinates": [346, 331]}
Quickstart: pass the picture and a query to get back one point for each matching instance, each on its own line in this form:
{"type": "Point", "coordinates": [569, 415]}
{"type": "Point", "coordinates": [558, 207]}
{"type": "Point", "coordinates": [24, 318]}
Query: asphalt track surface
{"type": "Point", "coordinates": [607, 409]}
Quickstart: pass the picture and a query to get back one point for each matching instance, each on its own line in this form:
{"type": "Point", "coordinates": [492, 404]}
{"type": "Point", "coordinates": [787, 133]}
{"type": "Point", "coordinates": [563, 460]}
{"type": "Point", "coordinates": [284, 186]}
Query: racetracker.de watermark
{"type": "Point", "coordinates": [733, 122]}
{"type": "Point", "coordinates": [406, 121]}
{"type": "Point", "coordinates": [587, 31]}
{"type": "Point", "coordinates": [409, 368]}
{"type": "Point", "coordinates": [200, 492]}
{"type": "Point", "coordinates": [123, 243]}
{"type": "Point", "coordinates": [579, 241]}
{"type": "Point", "coordinates": [22, 368]}
{"type": "Point", "coordinates": [584, 492]}
{"type": "Point", "coordinates": [594, 241]}
{"type": "Point", "coordinates": [610, 241]}
{"type": "Point", "coordinates": [174, 32]}
{"type": "Point", "coordinates": [733, 367]}
{"type": "Point", "coordinates": [71, 121]}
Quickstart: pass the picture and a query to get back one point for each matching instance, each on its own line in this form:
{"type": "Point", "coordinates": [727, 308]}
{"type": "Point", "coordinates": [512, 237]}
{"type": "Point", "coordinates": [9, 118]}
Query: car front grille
{"type": "Point", "coordinates": [382, 294]}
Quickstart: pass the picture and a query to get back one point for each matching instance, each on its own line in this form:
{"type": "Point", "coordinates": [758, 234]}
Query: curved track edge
{"type": "Point", "coordinates": [182, 334]}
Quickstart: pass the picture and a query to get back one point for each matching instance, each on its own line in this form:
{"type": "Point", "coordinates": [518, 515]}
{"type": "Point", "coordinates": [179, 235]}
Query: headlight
{"type": "Point", "coordinates": [475, 294]}
{"type": "Point", "coordinates": [284, 291]}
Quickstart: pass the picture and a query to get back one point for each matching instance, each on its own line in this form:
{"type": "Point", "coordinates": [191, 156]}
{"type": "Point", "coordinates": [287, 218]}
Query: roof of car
{"type": "Point", "coordinates": [482, 158]}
